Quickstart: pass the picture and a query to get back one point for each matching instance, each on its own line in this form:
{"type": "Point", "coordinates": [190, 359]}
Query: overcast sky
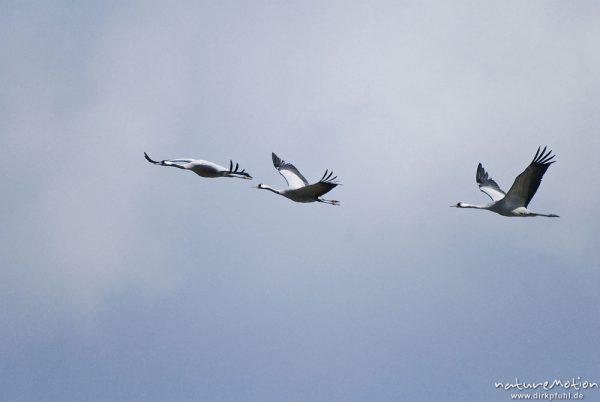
{"type": "Point", "coordinates": [124, 281]}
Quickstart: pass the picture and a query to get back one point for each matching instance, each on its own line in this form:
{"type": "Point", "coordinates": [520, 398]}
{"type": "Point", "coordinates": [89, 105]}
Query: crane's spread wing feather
{"type": "Point", "coordinates": [151, 160]}
{"type": "Point", "coordinates": [488, 185]}
{"type": "Point", "coordinates": [236, 172]}
{"type": "Point", "coordinates": [527, 183]}
{"type": "Point", "coordinates": [289, 172]}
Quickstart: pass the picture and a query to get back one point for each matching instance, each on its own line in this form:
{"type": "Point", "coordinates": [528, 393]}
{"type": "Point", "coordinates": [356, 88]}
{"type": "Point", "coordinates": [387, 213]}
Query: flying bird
{"type": "Point", "coordinates": [203, 168]}
{"type": "Point", "coordinates": [515, 202]}
{"type": "Point", "coordinates": [298, 188]}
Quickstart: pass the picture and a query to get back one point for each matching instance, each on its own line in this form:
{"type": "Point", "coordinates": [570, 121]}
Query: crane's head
{"type": "Point", "coordinates": [458, 205]}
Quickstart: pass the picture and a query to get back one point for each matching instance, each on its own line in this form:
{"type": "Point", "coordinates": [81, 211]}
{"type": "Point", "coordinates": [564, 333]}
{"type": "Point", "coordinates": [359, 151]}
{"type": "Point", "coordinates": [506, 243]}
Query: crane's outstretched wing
{"type": "Point", "coordinates": [488, 185]}
{"type": "Point", "coordinates": [186, 160]}
{"type": "Point", "coordinates": [323, 186]}
{"type": "Point", "coordinates": [289, 172]}
{"type": "Point", "coordinates": [527, 183]}
{"type": "Point", "coordinates": [167, 161]}
{"type": "Point", "coordinates": [150, 160]}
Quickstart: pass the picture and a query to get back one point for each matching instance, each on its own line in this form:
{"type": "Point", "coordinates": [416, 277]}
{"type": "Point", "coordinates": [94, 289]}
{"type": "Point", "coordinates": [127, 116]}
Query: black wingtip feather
{"type": "Point", "coordinates": [329, 178]}
{"type": "Point", "coordinates": [150, 160]}
{"type": "Point", "coordinates": [277, 162]}
{"type": "Point", "coordinates": [543, 157]}
{"type": "Point", "coordinates": [536, 154]}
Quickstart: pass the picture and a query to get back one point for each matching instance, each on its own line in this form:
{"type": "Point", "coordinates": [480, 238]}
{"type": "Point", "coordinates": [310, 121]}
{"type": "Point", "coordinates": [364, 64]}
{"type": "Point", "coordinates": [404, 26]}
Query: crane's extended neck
{"type": "Point", "coordinates": [264, 187]}
{"type": "Point", "coordinates": [465, 205]}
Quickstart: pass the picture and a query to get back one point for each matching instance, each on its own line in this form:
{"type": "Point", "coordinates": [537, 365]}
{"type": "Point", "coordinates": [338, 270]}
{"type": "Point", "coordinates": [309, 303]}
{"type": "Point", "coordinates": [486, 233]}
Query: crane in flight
{"type": "Point", "coordinates": [203, 168]}
{"type": "Point", "coordinates": [298, 188]}
{"type": "Point", "coordinates": [515, 202]}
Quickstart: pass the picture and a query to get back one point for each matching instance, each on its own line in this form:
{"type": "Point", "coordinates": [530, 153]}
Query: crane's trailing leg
{"type": "Point", "coordinates": [330, 202]}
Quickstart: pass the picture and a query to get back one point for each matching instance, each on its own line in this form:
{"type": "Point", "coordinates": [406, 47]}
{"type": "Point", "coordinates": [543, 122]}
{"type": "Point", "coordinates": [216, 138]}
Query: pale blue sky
{"type": "Point", "coordinates": [124, 281]}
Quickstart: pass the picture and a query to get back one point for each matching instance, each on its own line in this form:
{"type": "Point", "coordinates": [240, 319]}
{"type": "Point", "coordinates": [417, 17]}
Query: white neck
{"type": "Point", "coordinates": [263, 187]}
{"type": "Point", "coordinates": [465, 205]}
